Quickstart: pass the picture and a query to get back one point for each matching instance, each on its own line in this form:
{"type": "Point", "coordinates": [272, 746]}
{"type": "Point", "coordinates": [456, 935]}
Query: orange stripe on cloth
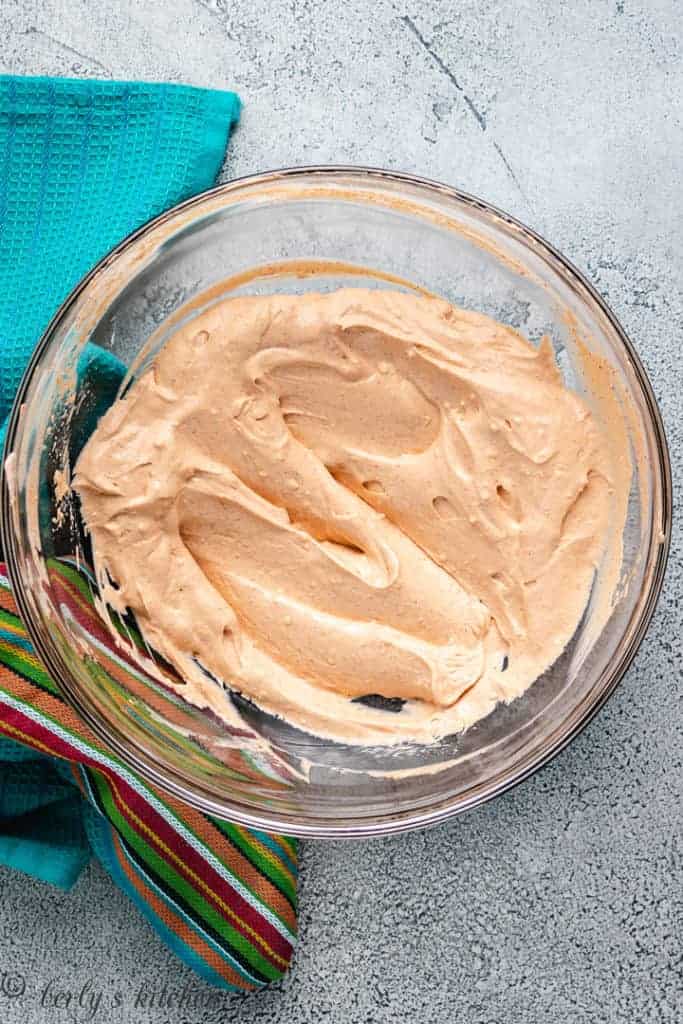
{"type": "Point", "coordinates": [7, 602]}
{"type": "Point", "coordinates": [25, 691]}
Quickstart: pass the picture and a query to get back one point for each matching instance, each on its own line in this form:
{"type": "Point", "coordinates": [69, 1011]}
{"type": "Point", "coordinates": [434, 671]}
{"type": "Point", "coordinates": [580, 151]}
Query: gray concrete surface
{"type": "Point", "coordinates": [562, 900]}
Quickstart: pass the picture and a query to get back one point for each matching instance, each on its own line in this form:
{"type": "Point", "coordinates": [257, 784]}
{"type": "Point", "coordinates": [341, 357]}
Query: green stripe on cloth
{"type": "Point", "coordinates": [17, 653]}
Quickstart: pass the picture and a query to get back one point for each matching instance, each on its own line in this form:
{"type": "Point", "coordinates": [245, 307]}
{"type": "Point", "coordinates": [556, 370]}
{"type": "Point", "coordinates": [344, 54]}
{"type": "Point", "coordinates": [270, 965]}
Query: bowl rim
{"type": "Point", "coordinates": [167, 779]}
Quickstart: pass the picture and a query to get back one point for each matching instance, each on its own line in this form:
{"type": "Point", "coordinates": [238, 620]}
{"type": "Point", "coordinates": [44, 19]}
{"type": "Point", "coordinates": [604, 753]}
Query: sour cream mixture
{"type": "Point", "coordinates": [314, 498]}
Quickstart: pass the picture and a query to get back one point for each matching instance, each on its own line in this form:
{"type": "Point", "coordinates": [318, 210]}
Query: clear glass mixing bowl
{"type": "Point", "coordinates": [298, 230]}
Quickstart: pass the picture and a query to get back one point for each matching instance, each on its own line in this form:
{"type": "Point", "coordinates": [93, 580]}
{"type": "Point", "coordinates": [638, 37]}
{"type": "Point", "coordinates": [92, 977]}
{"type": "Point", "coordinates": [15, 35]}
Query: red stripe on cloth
{"type": "Point", "coordinates": [36, 735]}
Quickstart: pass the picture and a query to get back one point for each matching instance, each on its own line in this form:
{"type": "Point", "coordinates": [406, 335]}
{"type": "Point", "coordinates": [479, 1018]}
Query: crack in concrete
{"type": "Point", "coordinates": [510, 171]}
{"type": "Point", "coordinates": [469, 103]}
{"type": "Point", "coordinates": [33, 31]}
{"type": "Point", "coordinates": [477, 114]}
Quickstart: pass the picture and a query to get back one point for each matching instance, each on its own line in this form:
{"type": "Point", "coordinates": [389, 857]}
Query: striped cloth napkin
{"type": "Point", "coordinates": [83, 163]}
{"type": "Point", "coordinates": [221, 896]}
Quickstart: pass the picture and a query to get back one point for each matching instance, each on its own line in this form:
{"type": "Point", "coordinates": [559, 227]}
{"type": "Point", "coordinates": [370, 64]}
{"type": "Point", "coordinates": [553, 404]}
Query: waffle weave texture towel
{"type": "Point", "coordinates": [82, 164]}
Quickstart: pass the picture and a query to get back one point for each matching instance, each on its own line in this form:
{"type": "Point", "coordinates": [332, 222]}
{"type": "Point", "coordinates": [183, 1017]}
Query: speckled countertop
{"type": "Point", "coordinates": [561, 901]}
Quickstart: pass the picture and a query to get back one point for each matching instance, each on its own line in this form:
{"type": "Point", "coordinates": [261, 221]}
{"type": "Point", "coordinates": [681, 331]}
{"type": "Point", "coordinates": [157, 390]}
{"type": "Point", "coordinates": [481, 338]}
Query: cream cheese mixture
{"type": "Point", "coordinates": [315, 498]}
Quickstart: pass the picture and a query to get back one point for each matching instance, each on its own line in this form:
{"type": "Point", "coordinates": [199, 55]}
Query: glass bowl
{"type": "Point", "coordinates": [299, 230]}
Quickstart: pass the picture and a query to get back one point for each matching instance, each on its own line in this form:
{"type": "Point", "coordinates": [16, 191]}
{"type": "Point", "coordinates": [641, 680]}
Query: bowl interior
{"type": "Point", "coordinates": [296, 232]}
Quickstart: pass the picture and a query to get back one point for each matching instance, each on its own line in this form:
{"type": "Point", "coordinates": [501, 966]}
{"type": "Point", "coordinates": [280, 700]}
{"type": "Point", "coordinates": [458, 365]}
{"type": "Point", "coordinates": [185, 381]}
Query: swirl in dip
{"type": "Point", "coordinates": [315, 498]}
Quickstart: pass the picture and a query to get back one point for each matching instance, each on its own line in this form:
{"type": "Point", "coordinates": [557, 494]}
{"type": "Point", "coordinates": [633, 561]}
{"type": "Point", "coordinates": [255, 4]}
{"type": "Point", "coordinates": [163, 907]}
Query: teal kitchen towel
{"type": "Point", "coordinates": [42, 827]}
{"type": "Point", "coordinates": [82, 164]}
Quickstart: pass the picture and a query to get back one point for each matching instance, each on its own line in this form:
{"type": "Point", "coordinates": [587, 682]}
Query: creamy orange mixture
{"type": "Point", "coordinates": [310, 499]}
